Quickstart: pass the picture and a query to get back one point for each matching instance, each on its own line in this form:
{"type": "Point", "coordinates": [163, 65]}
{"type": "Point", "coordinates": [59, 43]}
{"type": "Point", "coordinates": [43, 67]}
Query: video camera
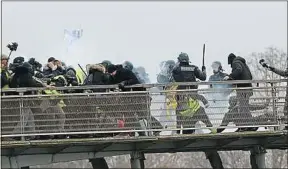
{"type": "Point", "coordinates": [263, 63]}
{"type": "Point", "coordinates": [35, 64]}
{"type": "Point", "coordinates": [13, 46]}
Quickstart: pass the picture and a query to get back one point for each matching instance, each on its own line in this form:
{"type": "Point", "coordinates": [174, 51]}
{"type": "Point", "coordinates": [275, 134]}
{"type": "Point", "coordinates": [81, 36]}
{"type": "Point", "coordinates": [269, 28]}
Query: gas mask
{"type": "Point", "coordinates": [215, 68]}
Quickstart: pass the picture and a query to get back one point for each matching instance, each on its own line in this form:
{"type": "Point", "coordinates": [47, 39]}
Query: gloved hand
{"type": "Point", "coordinates": [121, 85]}
{"type": "Point", "coordinates": [203, 68]}
{"type": "Point", "coordinates": [39, 75]}
{"type": "Point", "coordinates": [226, 78]}
{"type": "Point", "coordinates": [265, 65]}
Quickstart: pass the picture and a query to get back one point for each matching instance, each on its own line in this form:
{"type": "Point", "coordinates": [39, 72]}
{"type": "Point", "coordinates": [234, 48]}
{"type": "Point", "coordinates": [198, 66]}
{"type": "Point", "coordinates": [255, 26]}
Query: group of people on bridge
{"type": "Point", "coordinates": [22, 73]}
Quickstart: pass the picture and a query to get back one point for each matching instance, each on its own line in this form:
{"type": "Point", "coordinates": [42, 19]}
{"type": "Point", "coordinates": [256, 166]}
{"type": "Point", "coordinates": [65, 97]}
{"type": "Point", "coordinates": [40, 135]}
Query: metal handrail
{"type": "Point", "coordinates": [145, 85]}
{"type": "Point", "coordinates": [205, 90]}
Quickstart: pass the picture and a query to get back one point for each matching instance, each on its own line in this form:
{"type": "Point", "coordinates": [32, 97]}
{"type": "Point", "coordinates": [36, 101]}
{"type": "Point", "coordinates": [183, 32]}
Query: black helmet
{"type": "Point", "coordinates": [106, 62]}
{"type": "Point", "coordinates": [231, 57]}
{"type": "Point", "coordinates": [19, 60]}
{"type": "Point", "coordinates": [128, 65]}
{"type": "Point", "coordinates": [183, 57]}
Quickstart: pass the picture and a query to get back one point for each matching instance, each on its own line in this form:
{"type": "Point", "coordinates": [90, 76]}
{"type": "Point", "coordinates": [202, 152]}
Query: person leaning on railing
{"type": "Point", "coordinates": [283, 73]}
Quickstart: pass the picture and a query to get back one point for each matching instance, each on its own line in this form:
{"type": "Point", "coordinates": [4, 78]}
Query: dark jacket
{"type": "Point", "coordinates": [48, 72]}
{"type": "Point", "coordinates": [283, 73]}
{"type": "Point", "coordinates": [187, 73]}
{"type": "Point", "coordinates": [97, 76]}
{"type": "Point", "coordinates": [241, 71]}
{"type": "Point", "coordinates": [124, 75]}
{"type": "Point", "coordinates": [24, 78]}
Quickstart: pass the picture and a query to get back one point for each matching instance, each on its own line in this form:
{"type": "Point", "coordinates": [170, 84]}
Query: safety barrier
{"type": "Point", "coordinates": [161, 108]}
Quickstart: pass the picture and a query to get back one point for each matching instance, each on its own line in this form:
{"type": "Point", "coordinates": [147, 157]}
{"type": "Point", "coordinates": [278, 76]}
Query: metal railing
{"type": "Point", "coordinates": [161, 108]}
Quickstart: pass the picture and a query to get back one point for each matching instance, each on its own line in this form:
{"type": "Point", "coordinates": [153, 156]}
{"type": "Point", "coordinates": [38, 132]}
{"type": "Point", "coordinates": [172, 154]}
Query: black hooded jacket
{"type": "Point", "coordinates": [241, 71]}
{"type": "Point", "coordinates": [123, 75]}
{"type": "Point", "coordinates": [23, 77]}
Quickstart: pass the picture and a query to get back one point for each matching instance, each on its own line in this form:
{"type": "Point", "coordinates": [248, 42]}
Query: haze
{"type": "Point", "coordinates": [144, 33]}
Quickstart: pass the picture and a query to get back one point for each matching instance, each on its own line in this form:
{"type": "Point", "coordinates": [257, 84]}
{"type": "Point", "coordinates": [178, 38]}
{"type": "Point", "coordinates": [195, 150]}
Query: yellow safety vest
{"type": "Point", "coordinates": [171, 103]}
{"type": "Point", "coordinates": [8, 77]}
{"type": "Point", "coordinates": [193, 107]}
{"type": "Point", "coordinates": [55, 92]}
{"type": "Point", "coordinates": [79, 76]}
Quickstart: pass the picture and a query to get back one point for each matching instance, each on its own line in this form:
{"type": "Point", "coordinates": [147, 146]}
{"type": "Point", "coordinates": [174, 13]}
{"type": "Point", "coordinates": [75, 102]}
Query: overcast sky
{"type": "Point", "coordinates": [144, 33]}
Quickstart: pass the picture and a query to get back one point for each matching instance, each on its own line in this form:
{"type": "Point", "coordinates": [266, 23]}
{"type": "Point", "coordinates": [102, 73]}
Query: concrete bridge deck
{"type": "Point", "coordinates": [17, 154]}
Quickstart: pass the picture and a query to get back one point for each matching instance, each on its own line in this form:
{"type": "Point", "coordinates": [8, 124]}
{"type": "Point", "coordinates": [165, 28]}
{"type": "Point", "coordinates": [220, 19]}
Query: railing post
{"type": "Point", "coordinates": [137, 160]}
{"type": "Point", "coordinates": [257, 157]}
{"type": "Point", "coordinates": [149, 118]}
{"type": "Point", "coordinates": [275, 114]}
{"type": "Point", "coordinates": [22, 117]}
{"type": "Point", "coordinates": [99, 163]}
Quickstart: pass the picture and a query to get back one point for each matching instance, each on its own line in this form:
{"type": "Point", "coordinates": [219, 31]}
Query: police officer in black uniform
{"type": "Point", "coordinates": [184, 72]}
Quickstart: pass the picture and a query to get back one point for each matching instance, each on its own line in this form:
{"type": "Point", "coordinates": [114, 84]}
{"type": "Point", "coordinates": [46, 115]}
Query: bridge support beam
{"type": "Point", "coordinates": [27, 167]}
{"type": "Point", "coordinates": [99, 163]}
{"type": "Point", "coordinates": [137, 160]}
{"type": "Point", "coordinates": [214, 159]}
{"type": "Point", "coordinates": [257, 157]}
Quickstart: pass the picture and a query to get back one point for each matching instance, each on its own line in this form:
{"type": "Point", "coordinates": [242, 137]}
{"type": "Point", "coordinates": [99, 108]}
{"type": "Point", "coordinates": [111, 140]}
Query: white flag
{"type": "Point", "coordinates": [72, 35]}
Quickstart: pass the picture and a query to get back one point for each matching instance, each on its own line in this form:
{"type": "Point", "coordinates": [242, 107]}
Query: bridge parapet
{"type": "Point", "coordinates": [74, 113]}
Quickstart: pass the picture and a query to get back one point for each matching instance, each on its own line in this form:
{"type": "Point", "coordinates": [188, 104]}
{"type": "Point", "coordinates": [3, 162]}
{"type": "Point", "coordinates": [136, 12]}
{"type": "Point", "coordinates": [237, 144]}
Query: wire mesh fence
{"type": "Point", "coordinates": [143, 112]}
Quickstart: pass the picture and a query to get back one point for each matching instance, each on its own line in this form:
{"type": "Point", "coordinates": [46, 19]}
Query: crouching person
{"type": "Point", "coordinates": [53, 107]}
{"type": "Point", "coordinates": [189, 111]}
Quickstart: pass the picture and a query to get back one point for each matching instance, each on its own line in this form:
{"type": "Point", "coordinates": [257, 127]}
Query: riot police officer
{"type": "Point", "coordinates": [184, 72]}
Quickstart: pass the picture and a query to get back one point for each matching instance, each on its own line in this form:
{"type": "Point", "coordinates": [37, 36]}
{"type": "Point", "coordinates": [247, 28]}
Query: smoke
{"type": "Point", "coordinates": [165, 74]}
{"type": "Point", "coordinates": [142, 75]}
{"type": "Point", "coordinates": [218, 100]}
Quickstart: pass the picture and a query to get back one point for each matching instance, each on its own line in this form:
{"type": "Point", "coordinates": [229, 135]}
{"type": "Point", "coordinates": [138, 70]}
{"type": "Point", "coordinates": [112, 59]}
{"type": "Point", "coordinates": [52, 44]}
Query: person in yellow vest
{"type": "Point", "coordinates": [189, 109]}
{"type": "Point", "coordinates": [5, 75]}
{"type": "Point", "coordinates": [55, 106]}
{"type": "Point", "coordinates": [78, 74]}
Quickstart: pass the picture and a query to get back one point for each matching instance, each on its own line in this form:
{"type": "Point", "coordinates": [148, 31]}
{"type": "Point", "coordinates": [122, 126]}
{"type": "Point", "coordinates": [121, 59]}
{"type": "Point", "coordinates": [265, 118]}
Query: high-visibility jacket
{"type": "Point", "coordinates": [54, 93]}
{"type": "Point", "coordinates": [193, 106]}
{"type": "Point", "coordinates": [171, 103]}
{"type": "Point", "coordinates": [8, 78]}
{"type": "Point", "coordinates": [80, 76]}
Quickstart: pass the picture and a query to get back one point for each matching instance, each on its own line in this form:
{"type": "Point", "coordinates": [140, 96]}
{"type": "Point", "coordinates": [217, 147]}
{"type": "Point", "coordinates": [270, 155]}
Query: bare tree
{"type": "Point", "coordinates": [276, 58]}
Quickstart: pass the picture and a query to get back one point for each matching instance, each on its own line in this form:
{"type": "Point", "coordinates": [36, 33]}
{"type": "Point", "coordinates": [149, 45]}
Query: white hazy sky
{"type": "Point", "coordinates": [145, 33]}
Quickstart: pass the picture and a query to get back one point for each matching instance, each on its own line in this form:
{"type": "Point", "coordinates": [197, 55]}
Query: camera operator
{"type": "Point", "coordinates": [53, 68]}
{"type": "Point", "coordinates": [16, 62]}
{"type": "Point", "coordinates": [283, 73]}
{"type": "Point", "coordinates": [24, 77]}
